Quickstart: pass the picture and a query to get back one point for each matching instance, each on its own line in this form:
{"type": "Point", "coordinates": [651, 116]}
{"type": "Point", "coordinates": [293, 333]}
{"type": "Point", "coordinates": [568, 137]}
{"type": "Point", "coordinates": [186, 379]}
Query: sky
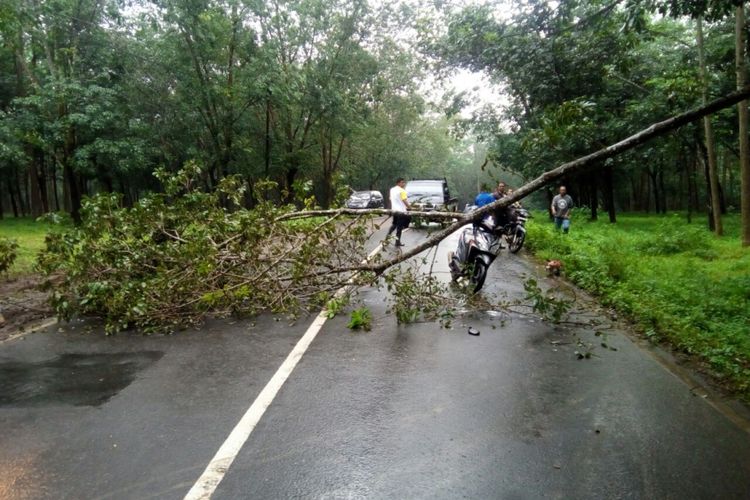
{"type": "Point", "coordinates": [480, 90]}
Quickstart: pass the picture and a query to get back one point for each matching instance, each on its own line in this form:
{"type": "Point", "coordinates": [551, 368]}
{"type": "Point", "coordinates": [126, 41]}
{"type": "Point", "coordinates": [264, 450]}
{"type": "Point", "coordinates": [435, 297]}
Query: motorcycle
{"type": "Point", "coordinates": [515, 230]}
{"type": "Point", "coordinates": [478, 246]}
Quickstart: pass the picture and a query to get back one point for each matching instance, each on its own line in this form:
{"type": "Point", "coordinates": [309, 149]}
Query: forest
{"type": "Point", "coordinates": [96, 95]}
{"type": "Point", "coordinates": [197, 154]}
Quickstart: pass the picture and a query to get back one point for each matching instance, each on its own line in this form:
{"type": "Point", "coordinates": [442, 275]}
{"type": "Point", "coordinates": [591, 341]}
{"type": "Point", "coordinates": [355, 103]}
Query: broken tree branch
{"type": "Point", "coordinates": [655, 130]}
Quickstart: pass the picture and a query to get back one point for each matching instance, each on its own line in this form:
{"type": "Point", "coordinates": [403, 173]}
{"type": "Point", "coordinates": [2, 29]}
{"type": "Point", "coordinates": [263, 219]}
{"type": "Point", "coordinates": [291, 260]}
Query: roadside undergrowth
{"type": "Point", "coordinates": [677, 282]}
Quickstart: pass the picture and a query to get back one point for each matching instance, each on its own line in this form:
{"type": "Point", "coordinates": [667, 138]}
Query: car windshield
{"type": "Point", "coordinates": [361, 194]}
{"type": "Point", "coordinates": [417, 189]}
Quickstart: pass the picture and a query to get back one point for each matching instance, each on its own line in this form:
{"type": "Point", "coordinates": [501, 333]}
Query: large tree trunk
{"type": "Point", "coordinates": [713, 177]}
{"type": "Point", "coordinates": [655, 188]}
{"type": "Point", "coordinates": [267, 145]}
{"type": "Point", "coordinates": [53, 177]}
{"type": "Point", "coordinates": [35, 193]}
{"type": "Point", "coordinates": [709, 197]}
{"type": "Point", "coordinates": [688, 184]}
{"type": "Point", "coordinates": [13, 203]}
{"type": "Point", "coordinates": [74, 191]}
{"type": "Point", "coordinates": [743, 126]}
{"type": "Point", "coordinates": [609, 190]}
{"type": "Point", "coordinates": [663, 190]}
{"type": "Point", "coordinates": [594, 197]}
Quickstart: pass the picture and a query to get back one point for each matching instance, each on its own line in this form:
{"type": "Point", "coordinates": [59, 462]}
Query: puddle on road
{"type": "Point", "coordinates": [71, 379]}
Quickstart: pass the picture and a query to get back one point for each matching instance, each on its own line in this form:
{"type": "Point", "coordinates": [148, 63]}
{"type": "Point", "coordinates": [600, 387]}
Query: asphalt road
{"type": "Point", "coordinates": [413, 411]}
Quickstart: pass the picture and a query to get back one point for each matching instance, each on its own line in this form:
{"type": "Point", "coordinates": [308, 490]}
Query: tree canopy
{"type": "Point", "coordinates": [321, 97]}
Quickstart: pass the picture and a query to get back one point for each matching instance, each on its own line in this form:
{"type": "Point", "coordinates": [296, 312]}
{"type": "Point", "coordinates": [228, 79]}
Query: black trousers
{"type": "Point", "coordinates": [400, 222]}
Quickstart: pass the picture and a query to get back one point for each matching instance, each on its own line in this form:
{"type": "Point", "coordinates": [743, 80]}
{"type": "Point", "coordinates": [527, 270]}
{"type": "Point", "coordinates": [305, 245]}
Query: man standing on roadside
{"type": "Point", "coordinates": [562, 203]}
{"type": "Point", "coordinates": [399, 205]}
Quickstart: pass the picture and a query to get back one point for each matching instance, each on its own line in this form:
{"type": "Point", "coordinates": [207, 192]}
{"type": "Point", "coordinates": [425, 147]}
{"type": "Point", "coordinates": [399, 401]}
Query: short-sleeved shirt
{"type": "Point", "coordinates": [483, 199]}
{"type": "Point", "coordinates": [562, 205]}
{"type": "Point", "coordinates": [398, 196]}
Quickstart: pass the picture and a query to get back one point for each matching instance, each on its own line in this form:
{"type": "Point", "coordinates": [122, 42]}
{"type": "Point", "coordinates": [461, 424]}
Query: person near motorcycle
{"type": "Point", "coordinates": [500, 190]}
{"type": "Point", "coordinates": [399, 205]}
{"type": "Point", "coordinates": [502, 215]}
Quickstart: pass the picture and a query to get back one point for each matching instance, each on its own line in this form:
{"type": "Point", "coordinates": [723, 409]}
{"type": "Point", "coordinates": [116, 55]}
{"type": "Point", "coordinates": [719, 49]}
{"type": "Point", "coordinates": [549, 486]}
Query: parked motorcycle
{"type": "Point", "coordinates": [478, 246]}
{"type": "Point", "coordinates": [515, 230]}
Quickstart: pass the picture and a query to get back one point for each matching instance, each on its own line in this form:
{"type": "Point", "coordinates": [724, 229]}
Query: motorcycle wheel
{"type": "Point", "coordinates": [517, 243]}
{"type": "Point", "coordinates": [478, 275]}
{"type": "Point", "coordinates": [454, 266]}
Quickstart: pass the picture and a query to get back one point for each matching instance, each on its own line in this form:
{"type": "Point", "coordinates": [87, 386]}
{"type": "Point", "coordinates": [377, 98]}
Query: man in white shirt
{"type": "Point", "coordinates": [399, 205]}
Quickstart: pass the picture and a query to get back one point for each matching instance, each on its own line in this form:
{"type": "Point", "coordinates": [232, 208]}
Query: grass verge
{"type": "Point", "coordinates": [676, 281]}
{"type": "Point", "coordinates": [29, 235]}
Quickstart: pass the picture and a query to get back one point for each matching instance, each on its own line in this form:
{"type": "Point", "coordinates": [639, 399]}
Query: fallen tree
{"type": "Point", "coordinates": [178, 256]}
{"type": "Point", "coordinates": [655, 130]}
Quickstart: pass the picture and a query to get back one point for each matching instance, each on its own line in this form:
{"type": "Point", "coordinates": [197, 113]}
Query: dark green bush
{"type": "Point", "coordinates": [8, 254]}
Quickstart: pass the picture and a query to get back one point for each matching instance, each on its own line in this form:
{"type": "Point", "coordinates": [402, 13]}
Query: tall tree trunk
{"type": "Point", "coordinates": [74, 191]}
{"type": "Point", "coordinates": [695, 200]}
{"type": "Point", "coordinates": [43, 191]}
{"type": "Point", "coordinates": [53, 175]}
{"type": "Point", "coordinates": [609, 189]}
{"type": "Point", "coordinates": [743, 126]}
{"type": "Point", "coordinates": [663, 190]}
{"type": "Point", "coordinates": [267, 148]}
{"type": "Point", "coordinates": [594, 197]}
{"type": "Point", "coordinates": [652, 174]}
{"type": "Point", "coordinates": [709, 198]}
{"type": "Point", "coordinates": [23, 196]}
{"type": "Point", "coordinates": [713, 178]}
{"type": "Point", "coordinates": [35, 197]}
{"type": "Point", "coordinates": [688, 184]}
{"type": "Point", "coordinates": [13, 203]}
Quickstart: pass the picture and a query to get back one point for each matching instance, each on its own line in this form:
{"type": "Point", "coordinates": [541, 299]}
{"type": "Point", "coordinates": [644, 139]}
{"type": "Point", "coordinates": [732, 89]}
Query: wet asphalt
{"type": "Point", "coordinates": [414, 411]}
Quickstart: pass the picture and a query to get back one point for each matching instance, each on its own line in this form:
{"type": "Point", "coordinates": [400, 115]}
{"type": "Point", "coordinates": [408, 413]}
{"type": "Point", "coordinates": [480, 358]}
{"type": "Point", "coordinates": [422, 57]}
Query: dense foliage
{"type": "Point", "coordinates": [97, 95]}
{"type": "Point", "coordinates": [677, 282]}
{"type": "Point", "coordinates": [580, 75]}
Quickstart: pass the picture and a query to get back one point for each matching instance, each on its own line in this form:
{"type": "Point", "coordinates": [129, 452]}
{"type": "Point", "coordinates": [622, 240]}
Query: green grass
{"type": "Point", "coordinates": [29, 235]}
{"type": "Point", "coordinates": [677, 281]}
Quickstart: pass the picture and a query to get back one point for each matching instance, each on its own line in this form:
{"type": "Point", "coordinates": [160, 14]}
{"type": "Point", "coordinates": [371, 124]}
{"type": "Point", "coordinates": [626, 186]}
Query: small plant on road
{"type": "Point", "coordinates": [546, 303]}
{"type": "Point", "coordinates": [361, 319]}
{"type": "Point", "coordinates": [336, 305]}
{"type": "Point", "coordinates": [415, 296]}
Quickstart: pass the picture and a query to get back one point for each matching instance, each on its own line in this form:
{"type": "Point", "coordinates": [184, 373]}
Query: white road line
{"type": "Point", "coordinates": [34, 328]}
{"type": "Point", "coordinates": [220, 463]}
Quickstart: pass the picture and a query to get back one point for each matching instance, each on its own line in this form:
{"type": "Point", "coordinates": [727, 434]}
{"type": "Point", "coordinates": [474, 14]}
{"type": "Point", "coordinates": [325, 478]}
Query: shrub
{"type": "Point", "coordinates": [8, 254]}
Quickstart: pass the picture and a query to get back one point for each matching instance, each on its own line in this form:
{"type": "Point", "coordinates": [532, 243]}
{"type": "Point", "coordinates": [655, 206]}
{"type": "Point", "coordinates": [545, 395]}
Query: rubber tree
{"type": "Point", "coordinates": [708, 131]}
{"type": "Point", "coordinates": [742, 112]}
